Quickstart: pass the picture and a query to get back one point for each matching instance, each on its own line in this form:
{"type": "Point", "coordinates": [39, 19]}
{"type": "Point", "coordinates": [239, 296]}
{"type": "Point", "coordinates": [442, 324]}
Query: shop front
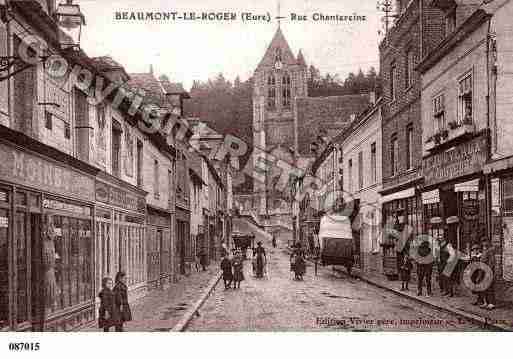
{"type": "Point", "coordinates": [400, 209]}
{"type": "Point", "coordinates": [159, 247]}
{"type": "Point", "coordinates": [120, 233]}
{"type": "Point", "coordinates": [46, 276]}
{"type": "Point", "coordinates": [454, 194]}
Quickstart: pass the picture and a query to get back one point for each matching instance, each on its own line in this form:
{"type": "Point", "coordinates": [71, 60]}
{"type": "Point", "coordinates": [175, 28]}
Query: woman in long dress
{"type": "Point", "coordinates": [260, 260]}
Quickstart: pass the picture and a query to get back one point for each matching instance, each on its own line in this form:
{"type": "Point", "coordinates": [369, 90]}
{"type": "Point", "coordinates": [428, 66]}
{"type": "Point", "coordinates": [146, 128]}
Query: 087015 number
{"type": "Point", "coordinates": [20, 346]}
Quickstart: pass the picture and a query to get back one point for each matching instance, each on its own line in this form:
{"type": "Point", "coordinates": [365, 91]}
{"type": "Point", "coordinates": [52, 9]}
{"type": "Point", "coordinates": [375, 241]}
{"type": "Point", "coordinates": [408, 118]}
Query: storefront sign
{"type": "Point", "coordinates": [119, 198]}
{"type": "Point", "coordinates": [507, 253]}
{"type": "Point", "coordinates": [461, 160]}
{"type": "Point", "coordinates": [63, 206]}
{"type": "Point", "coordinates": [32, 171]}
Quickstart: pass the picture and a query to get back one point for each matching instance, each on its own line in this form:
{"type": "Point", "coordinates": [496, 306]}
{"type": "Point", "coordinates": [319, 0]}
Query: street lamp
{"type": "Point", "coordinates": [70, 21]}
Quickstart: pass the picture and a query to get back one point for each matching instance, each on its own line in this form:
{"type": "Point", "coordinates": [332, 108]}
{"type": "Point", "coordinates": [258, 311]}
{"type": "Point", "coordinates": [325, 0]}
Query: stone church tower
{"type": "Point", "coordinates": [279, 79]}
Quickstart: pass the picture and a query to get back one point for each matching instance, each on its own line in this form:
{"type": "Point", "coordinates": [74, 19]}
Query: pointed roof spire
{"type": "Point", "coordinates": [278, 42]}
{"type": "Point", "coordinates": [301, 59]}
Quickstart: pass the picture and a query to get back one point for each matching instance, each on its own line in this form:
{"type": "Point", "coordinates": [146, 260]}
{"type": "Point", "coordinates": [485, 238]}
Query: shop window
{"type": "Point", "coordinates": [22, 275]}
{"type": "Point", "coordinates": [507, 191]}
{"type": "Point", "coordinates": [439, 113]}
{"type": "Point", "coordinates": [465, 100]}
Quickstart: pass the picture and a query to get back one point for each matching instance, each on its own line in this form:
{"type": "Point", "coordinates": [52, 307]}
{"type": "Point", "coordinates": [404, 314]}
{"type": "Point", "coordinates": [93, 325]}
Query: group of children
{"type": "Point", "coordinates": [114, 309]}
{"type": "Point", "coordinates": [233, 269]}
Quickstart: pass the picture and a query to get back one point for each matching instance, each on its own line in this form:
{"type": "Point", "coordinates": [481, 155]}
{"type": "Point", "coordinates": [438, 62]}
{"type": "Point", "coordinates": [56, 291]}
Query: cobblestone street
{"type": "Point", "coordinates": [329, 301]}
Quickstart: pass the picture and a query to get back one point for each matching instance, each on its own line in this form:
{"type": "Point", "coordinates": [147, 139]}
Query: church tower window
{"type": "Point", "coordinates": [286, 90]}
{"type": "Point", "coordinates": [271, 97]}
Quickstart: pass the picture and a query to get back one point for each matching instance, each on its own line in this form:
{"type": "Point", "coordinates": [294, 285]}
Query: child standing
{"type": "Point", "coordinates": [106, 311]}
{"type": "Point", "coordinates": [405, 272]}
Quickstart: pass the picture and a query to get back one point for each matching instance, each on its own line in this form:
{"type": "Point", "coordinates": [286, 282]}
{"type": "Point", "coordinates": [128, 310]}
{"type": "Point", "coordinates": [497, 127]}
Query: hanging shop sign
{"type": "Point", "coordinates": [36, 172]}
{"type": "Point", "coordinates": [120, 198]}
{"type": "Point", "coordinates": [461, 160]}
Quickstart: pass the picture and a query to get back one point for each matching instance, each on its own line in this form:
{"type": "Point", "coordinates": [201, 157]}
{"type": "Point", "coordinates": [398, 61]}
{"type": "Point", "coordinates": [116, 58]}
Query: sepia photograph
{"type": "Point", "coordinates": [236, 166]}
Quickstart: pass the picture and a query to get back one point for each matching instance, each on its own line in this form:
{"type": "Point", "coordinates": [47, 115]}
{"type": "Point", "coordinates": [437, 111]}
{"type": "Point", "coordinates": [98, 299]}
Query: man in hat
{"type": "Point", "coordinates": [447, 256]}
{"type": "Point", "coordinates": [488, 258]}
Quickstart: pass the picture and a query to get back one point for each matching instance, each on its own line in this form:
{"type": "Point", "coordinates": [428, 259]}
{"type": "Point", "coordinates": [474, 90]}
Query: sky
{"type": "Point", "coordinates": [188, 51]}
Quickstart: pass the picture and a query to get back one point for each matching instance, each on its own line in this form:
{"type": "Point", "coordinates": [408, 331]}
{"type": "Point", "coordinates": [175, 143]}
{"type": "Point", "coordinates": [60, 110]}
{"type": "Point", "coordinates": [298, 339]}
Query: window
{"type": "Point", "coordinates": [116, 146]}
{"type": "Point", "coordinates": [409, 146]}
{"type": "Point", "coordinates": [48, 120]}
{"type": "Point", "coordinates": [465, 100]}
{"type": "Point", "coordinates": [450, 22]}
{"type": "Point", "coordinates": [170, 187]}
{"type": "Point", "coordinates": [350, 177]}
{"type": "Point", "coordinates": [411, 61]}
{"type": "Point", "coordinates": [373, 231]}
{"type": "Point", "coordinates": [156, 179]}
{"type": "Point", "coordinates": [286, 90]}
{"type": "Point", "coordinates": [439, 112]}
{"type": "Point", "coordinates": [67, 131]}
{"type": "Point", "coordinates": [373, 163]}
{"type": "Point", "coordinates": [394, 155]}
{"type": "Point", "coordinates": [360, 170]}
{"type": "Point", "coordinates": [139, 163]}
{"type": "Point", "coordinates": [393, 74]}
{"type": "Point", "coordinates": [271, 95]}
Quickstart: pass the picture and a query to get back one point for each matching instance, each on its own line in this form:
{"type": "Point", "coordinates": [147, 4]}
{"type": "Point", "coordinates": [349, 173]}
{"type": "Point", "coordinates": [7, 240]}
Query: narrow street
{"type": "Point", "coordinates": [329, 301]}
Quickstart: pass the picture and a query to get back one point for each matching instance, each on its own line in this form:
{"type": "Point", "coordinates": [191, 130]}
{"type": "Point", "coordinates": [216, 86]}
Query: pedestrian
{"type": "Point", "coordinates": [106, 318]}
{"type": "Point", "coordinates": [405, 272]}
{"type": "Point", "coordinates": [299, 266]}
{"type": "Point", "coordinates": [274, 240]}
{"type": "Point", "coordinates": [197, 262]}
{"type": "Point", "coordinates": [238, 270]}
{"type": "Point", "coordinates": [488, 258]}
{"type": "Point", "coordinates": [447, 267]}
{"type": "Point", "coordinates": [203, 260]}
{"type": "Point", "coordinates": [122, 312]}
{"type": "Point", "coordinates": [261, 259]}
{"type": "Point", "coordinates": [226, 267]}
{"type": "Point", "coordinates": [424, 268]}
{"type": "Point", "coordinates": [224, 249]}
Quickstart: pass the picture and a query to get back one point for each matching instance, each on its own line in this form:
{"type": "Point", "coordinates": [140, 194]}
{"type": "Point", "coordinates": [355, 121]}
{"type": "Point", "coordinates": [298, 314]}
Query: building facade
{"type": "Point", "coordinates": [417, 29]}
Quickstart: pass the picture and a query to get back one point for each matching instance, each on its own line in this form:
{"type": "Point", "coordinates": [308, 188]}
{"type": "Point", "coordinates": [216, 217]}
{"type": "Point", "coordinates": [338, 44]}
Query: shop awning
{"type": "Point", "coordinates": [431, 197]}
{"type": "Point", "coordinates": [470, 186]}
{"type": "Point", "coordinates": [410, 192]}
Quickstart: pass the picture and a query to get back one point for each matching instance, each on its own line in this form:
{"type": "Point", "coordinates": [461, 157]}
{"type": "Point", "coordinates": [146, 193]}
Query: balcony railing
{"type": "Point", "coordinates": [454, 131]}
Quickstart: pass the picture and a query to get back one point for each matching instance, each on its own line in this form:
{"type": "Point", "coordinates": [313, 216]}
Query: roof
{"type": "Point", "coordinates": [332, 113]}
{"type": "Point", "coordinates": [174, 88]}
{"type": "Point", "coordinates": [107, 63]}
{"type": "Point", "coordinates": [278, 42]}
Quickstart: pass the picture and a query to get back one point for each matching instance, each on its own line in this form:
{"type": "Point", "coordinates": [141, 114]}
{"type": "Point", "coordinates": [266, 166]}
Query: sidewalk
{"type": "Point", "coordinates": [501, 318]}
{"type": "Point", "coordinates": [161, 310]}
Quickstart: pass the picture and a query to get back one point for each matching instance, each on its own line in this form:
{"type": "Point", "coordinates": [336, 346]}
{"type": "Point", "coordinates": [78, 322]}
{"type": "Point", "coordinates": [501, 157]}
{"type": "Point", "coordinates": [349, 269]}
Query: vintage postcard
{"type": "Point", "coordinates": [255, 166]}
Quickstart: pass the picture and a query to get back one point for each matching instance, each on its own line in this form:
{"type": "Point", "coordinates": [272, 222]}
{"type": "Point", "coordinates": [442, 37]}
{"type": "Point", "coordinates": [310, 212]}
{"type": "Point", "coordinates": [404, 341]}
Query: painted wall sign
{"type": "Point", "coordinates": [120, 198]}
{"type": "Point", "coordinates": [461, 160]}
{"type": "Point", "coordinates": [32, 171]}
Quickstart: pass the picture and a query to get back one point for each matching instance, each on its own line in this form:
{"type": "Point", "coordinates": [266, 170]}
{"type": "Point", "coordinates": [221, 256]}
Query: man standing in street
{"type": "Point", "coordinates": [424, 261]}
